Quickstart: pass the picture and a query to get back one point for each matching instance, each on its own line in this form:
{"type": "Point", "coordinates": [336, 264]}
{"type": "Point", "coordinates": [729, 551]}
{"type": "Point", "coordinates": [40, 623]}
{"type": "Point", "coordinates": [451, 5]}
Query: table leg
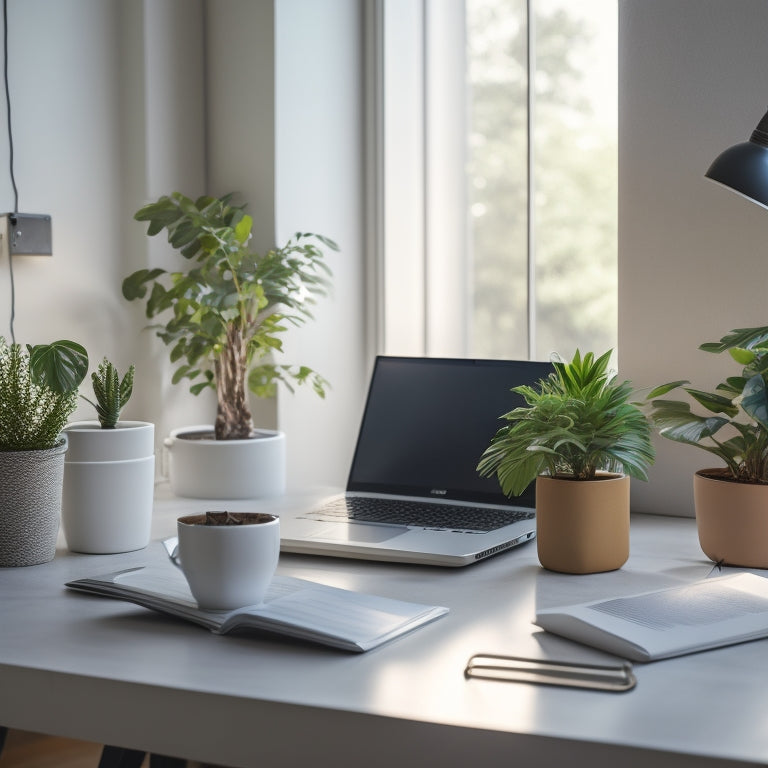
{"type": "Point", "coordinates": [161, 761]}
{"type": "Point", "coordinates": [117, 757]}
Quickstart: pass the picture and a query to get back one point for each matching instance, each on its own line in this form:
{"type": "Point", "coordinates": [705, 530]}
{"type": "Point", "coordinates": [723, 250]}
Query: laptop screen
{"type": "Point", "coordinates": [427, 421]}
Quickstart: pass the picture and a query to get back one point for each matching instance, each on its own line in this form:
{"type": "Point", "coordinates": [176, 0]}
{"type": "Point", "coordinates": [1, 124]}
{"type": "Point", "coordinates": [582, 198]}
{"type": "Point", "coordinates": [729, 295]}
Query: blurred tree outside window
{"type": "Point", "coordinates": [571, 276]}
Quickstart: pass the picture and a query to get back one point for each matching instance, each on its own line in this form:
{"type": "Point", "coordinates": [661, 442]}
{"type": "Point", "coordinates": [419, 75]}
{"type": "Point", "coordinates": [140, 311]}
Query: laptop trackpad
{"type": "Point", "coordinates": [367, 534]}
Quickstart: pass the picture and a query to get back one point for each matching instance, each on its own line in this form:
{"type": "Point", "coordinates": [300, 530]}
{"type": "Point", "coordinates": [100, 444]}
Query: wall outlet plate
{"type": "Point", "coordinates": [28, 234]}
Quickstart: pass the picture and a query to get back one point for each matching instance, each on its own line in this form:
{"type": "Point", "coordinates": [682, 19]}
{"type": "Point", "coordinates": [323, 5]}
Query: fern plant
{"type": "Point", "coordinates": [38, 392]}
{"type": "Point", "coordinates": [111, 392]}
{"type": "Point", "coordinates": [576, 422]}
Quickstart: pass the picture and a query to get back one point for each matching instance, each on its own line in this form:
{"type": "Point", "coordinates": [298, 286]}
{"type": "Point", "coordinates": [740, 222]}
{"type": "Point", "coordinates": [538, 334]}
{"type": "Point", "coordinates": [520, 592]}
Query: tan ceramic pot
{"type": "Point", "coordinates": [732, 520]}
{"type": "Point", "coordinates": [582, 525]}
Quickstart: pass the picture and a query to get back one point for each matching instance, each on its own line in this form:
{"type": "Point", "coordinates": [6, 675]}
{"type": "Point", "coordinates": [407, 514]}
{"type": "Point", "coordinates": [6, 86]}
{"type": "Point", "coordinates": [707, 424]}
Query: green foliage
{"type": "Point", "coordinates": [576, 422]}
{"type": "Point", "coordinates": [575, 206]}
{"type": "Point", "coordinates": [61, 365]}
{"type": "Point", "coordinates": [734, 426]}
{"type": "Point", "coordinates": [227, 312]}
{"type": "Point", "coordinates": [262, 381]}
{"type": "Point", "coordinates": [38, 392]}
{"type": "Point", "coordinates": [111, 393]}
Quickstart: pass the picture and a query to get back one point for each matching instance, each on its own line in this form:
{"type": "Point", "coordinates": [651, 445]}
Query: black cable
{"type": "Point", "coordinates": [8, 105]}
{"type": "Point", "coordinates": [10, 155]}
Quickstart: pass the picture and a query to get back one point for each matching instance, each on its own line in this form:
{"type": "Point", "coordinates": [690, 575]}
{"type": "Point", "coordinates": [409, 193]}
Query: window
{"type": "Point", "coordinates": [491, 245]}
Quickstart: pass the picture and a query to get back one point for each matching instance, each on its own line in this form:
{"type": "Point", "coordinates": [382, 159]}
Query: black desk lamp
{"type": "Point", "coordinates": [744, 167]}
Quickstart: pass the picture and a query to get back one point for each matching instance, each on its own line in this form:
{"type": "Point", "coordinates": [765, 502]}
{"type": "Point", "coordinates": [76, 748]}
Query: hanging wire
{"type": "Point", "coordinates": [10, 156]}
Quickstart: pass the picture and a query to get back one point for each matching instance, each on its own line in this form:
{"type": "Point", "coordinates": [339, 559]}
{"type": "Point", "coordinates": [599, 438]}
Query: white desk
{"type": "Point", "coordinates": [109, 672]}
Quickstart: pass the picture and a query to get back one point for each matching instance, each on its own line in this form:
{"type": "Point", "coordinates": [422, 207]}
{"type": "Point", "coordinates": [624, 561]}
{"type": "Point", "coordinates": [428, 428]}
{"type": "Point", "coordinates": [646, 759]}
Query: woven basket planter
{"type": "Point", "coordinates": [30, 504]}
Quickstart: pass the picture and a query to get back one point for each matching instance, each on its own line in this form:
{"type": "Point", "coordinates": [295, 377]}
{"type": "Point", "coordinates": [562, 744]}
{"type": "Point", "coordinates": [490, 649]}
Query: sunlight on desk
{"type": "Point", "coordinates": [164, 686]}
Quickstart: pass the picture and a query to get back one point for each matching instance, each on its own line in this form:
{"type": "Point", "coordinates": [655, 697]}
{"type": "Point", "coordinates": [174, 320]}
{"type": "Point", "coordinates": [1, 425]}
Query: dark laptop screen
{"type": "Point", "coordinates": [427, 421]}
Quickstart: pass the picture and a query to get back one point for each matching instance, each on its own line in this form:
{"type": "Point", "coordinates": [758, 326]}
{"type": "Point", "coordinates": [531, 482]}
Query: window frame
{"type": "Point", "coordinates": [419, 266]}
{"type": "Point", "coordinates": [417, 282]}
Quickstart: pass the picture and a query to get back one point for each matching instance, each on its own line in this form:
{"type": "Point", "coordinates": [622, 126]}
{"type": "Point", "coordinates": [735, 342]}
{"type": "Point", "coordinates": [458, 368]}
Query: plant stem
{"type": "Point", "coordinates": [233, 415]}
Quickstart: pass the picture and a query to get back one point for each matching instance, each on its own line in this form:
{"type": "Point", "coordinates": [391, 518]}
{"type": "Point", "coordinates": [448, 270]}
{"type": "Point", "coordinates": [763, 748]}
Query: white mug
{"type": "Point", "coordinates": [229, 566]}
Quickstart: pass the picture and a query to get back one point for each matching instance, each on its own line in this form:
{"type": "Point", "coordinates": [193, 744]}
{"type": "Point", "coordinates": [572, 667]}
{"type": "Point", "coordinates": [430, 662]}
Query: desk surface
{"type": "Point", "coordinates": [110, 672]}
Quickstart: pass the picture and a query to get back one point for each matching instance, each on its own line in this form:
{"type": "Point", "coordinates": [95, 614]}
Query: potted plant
{"type": "Point", "coordinates": [581, 439]}
{"type": "Point", "coordinates": [109, 472]}
{"type": "Point", "coordinates": [731, 501]}
{"type": "Point", "coordinates": [225, 316]}
{"type": "Point", "coordinates": [38, 393]}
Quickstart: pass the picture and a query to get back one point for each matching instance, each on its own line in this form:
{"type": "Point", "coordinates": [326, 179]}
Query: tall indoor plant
{"type": "Point", "coordinates": [109, 472]}
{"type": "Point", "coordinates": [223, 320]}
{"type": "Point", "coordinates": [731, 501]}
{"type": "Point", "coordinates": [38, 393]}
{"type": "Point", "coordinates": [581, 439]}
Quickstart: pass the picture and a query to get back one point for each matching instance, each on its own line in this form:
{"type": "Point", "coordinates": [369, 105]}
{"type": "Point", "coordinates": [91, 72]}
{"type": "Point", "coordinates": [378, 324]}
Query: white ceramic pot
{"type": "Point", "coordinates": [109, 482]}
{"type": "Point", "coordinates": [128, 440]}
{"type": "Point", "coordinates": [229, 566]}
{"type": "Point", "coordinates": [226, 469]}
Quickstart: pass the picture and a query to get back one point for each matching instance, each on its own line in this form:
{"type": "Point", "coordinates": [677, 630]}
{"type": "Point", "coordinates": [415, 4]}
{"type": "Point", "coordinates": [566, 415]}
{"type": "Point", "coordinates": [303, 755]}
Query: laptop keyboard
{"type": "Point", "coordinates": [418, 514]}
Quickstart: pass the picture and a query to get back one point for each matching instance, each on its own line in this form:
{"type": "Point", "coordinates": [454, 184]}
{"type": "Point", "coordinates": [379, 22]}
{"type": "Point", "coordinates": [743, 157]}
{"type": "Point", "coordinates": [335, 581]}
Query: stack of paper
{"type": "Point", "coordinates": [668, 622]}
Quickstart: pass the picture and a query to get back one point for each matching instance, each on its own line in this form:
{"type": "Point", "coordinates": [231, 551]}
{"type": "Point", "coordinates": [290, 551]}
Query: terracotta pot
{"type": "Point", "coordinates": [582, 525]}
{"type": "Point", "coordinates": [732, 520]}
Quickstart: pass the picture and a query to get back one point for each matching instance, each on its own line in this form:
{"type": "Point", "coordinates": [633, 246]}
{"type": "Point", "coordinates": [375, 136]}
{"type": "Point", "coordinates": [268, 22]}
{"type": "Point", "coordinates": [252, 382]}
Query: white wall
{"type": "Point", "coordinates": [285, 130]}
{"type": "Point", "coordinates": [240, 121]}
{"type": "Point", "coordinates": [162, 144]}
{"type": "Point", "coordinates": [241, 108]}
{"type": "Point", "coordinates": [116, 102]}
{"type": "Point", "coordinates": [693, 261]}
{"type": "Point", "coordinates": [107, 114]}
{"type": "Point", "coordinates": [319, 187]}
{"type": "Point", "coordinates": [63, 67]}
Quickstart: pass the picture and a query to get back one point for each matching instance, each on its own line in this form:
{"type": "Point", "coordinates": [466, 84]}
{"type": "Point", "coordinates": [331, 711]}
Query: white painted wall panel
{"type": "Point", "coordinates": [693, 262]}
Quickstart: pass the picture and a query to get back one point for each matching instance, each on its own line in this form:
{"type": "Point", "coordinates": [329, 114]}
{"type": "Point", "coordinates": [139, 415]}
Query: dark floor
{"type": "Point", "coordinates": [31, 750]}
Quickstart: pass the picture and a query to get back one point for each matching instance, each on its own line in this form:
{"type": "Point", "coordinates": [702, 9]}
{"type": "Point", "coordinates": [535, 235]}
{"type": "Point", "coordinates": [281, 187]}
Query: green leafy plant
{"type": "Point", "coordinates": [38, 392]}
{"type": "Point", "coordinates": [111, 392]}
{"type": "Point", "coordinates": [227, 312]}
{"type": "Point", "coordinates": [734, 426]}
{"type": "Point", "coordinates": [575, 422]}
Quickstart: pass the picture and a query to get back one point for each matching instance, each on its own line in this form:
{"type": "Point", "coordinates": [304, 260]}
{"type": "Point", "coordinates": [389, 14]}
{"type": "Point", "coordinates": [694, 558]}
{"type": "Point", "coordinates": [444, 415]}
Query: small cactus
{"type": "Point", "coordinates": [111, 393]}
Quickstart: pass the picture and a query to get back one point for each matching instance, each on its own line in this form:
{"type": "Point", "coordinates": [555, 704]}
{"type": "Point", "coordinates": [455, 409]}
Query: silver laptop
{"type": "Point", "coordinates": [414, 494]}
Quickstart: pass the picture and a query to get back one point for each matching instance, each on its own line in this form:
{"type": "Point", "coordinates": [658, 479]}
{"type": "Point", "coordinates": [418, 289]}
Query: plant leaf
{"type": "Point", "coordinates": [60, 365]}
{"type": "Point", "coordinates": [755, 401]}
{"type": "Point", "coordinates": [243, 229]}
{"type": "Point", "coordinates": [662, 389]}
{"type": "Point", "coordinates": [742, 356]}
{"type": "Point", "coordinates": [746, 338]}
{"type": "Point", "coordinates": [677, 422]}
{"type": "Point", "coordinates": [713, 402]}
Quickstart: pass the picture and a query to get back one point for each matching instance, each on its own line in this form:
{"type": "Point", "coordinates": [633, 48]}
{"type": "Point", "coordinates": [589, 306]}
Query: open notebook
{"type": "Point", "coordinates": [413, 493]}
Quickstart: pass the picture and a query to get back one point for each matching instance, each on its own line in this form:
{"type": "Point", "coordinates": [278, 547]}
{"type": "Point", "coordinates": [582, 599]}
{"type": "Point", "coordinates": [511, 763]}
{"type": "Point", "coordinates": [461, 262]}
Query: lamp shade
{"type": "Point", "coordinates": [744, 167]}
